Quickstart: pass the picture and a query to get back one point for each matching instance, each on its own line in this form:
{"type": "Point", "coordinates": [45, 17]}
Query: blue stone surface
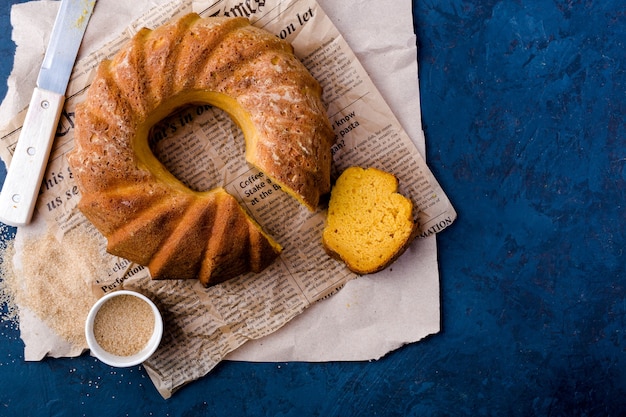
{"type": "Point", "coordinates": [524, 109]}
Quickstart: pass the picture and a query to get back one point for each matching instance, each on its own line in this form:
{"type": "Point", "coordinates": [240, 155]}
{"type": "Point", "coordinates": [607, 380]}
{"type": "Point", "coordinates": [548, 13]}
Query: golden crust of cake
{"type": "Point", "coordinates": [369, 224]}
{"type": "Point", "coordinates": [150, 217]}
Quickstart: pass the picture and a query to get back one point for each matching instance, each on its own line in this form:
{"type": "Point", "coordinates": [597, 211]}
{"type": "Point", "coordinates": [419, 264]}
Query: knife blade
{"type": "Point", "coordinates": [30, 158]}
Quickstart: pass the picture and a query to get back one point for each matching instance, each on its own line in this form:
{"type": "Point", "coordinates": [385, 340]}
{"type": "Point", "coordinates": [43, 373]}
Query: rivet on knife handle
{"type": "Point", "coordinates": [28, 165]}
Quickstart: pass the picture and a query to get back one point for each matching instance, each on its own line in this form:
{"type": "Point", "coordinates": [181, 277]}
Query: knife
{"type": "Point", "coordinates": [25, 173]}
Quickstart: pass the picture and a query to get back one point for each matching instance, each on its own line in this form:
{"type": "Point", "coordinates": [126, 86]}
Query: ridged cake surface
{"type": "Point", "coordinates": [147, 215]}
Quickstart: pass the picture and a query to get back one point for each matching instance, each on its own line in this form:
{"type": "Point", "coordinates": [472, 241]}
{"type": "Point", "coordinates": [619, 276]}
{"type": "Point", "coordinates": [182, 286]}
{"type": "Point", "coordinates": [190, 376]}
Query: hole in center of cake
{"type": "Point", "coordinates": [196, 144]}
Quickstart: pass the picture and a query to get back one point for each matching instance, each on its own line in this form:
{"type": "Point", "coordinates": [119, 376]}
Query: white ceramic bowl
{"type": "Point", "coordinates": [116, 360]}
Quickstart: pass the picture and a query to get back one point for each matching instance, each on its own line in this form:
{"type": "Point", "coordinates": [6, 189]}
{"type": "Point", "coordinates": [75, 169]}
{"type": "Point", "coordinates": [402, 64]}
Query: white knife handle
{"type": "Point", "coordinates": [25, 173]}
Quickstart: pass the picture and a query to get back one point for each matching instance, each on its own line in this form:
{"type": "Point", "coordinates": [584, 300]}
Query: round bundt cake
{"type": "Point", "coordinates": [147, 215]}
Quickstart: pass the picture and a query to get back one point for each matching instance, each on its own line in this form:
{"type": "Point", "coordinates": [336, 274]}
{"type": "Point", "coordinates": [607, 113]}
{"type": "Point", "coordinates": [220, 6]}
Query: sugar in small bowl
{"type": "Point", "coordinates": [123, 328]}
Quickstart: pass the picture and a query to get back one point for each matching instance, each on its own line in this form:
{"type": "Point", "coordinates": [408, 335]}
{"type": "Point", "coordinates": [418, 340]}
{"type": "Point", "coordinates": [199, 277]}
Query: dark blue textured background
{"type": "Point", "coordinates": [524, 109]}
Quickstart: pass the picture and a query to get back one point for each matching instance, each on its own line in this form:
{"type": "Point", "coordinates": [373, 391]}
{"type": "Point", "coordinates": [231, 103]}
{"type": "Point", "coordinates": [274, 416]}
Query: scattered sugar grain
{"type": "Point", "coordinates": [124, 325]}
{"type": "Point", "coordinates": [54, 281]}
{"type": "Point", "coordinates": [8, 283]}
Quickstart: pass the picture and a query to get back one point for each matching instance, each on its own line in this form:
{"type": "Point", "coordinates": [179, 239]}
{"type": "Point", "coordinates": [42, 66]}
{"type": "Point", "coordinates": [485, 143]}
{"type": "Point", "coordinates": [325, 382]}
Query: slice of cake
{"type": "Point", "coordinates": [369, 223]}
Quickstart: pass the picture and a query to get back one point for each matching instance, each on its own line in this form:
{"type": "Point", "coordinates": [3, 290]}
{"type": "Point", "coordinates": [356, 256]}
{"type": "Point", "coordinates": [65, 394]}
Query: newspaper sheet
{"type": "Point", "coordinates": [203, 148]}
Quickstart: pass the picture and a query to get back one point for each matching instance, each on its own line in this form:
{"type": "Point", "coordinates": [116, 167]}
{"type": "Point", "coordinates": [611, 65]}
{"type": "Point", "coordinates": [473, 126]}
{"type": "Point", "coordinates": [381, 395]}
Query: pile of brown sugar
{"type": "Point", "coordinates": [54, 280]}
{"type": "Point", "coordinates": [124, 325]}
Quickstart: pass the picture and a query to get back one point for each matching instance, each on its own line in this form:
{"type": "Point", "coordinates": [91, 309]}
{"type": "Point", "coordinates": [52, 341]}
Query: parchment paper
{"type": "Point", "coordinates": [371, 315]}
